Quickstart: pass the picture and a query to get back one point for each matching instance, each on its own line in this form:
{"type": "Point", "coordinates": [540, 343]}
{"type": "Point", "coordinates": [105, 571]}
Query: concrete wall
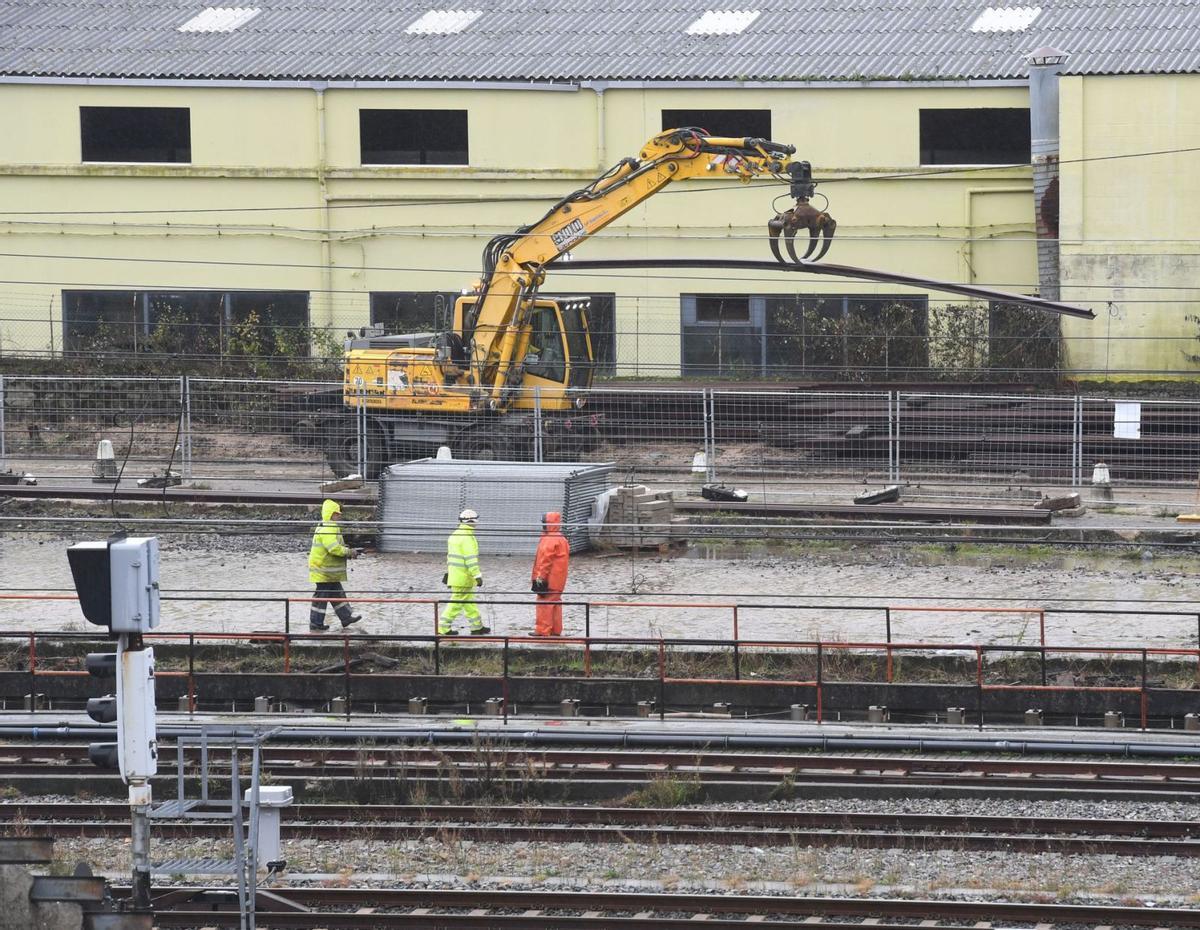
{"type": "Point", "coordinates": [1130, 233]}
{"type": "Point", "coordinates": [256, 149]}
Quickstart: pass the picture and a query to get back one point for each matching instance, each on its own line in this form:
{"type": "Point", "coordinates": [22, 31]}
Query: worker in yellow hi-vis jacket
{"type": "Point", "coordinates": [463, 577]}
{"type": "Point", "coordinates": [327, 569]}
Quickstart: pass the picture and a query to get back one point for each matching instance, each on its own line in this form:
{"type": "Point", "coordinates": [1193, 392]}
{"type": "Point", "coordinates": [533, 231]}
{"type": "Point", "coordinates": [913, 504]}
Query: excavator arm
{"type": "Point", "coordinates": [493, 324]}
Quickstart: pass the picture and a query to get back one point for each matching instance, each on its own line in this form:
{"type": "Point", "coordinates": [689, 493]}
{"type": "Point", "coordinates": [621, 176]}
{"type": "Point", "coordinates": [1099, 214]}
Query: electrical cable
{"type": "Point", "coordinates": [726, 186]}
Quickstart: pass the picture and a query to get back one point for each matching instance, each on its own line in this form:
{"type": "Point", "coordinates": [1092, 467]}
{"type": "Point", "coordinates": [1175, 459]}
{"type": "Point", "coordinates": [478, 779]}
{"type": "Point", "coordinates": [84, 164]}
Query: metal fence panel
{"type": "Point", "coordinates": [1142, 442]}
{"type": "Point", "coordinates": [960, 436]}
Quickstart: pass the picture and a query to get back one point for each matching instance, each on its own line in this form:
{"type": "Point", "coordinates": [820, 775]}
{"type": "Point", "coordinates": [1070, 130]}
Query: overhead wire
{"type": "Point", "coordinates": [904, 175]}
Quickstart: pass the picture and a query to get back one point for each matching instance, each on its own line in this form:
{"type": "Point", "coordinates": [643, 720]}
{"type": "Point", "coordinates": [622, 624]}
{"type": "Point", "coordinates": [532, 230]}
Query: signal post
{"type": "Point", "coordinates": [117, 582]}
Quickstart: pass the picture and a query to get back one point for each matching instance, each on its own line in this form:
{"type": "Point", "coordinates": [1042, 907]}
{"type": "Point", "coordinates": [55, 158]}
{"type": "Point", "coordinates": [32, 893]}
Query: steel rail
{"type": "Point", "coordinates": [653, 836]}
{"type": "Point", "coordinates": [596, 762]}
{"type": "Point", "coordinates": [476, 907]}
{"type": "Point", "coordinates": [304, 816]}
{"type": "Point", "coordinates": [834, 270]}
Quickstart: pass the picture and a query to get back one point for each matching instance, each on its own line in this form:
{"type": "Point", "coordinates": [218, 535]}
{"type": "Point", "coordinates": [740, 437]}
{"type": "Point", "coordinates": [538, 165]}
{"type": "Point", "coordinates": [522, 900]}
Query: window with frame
{"type": "Point", "coordinates": [413, 137]}
{"type": "Point", "coordinates": [722, 335]}
{"type": "Point", "coordinates": [978, 136]}
{"type": "Point", "coordinates": [188, 323]}
{"type": "Point", "coordinates": [784, 335]}
{"type": "Point", "coordinates": [135, 134]}
{"type": "Point", "coordinates": [397, 312]}
{"type": "Point", "coordinates": [742, 124]}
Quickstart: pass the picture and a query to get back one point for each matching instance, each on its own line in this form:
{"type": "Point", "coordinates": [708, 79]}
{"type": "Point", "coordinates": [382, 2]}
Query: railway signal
{"type": "Point", "coordinates": [117, 582]}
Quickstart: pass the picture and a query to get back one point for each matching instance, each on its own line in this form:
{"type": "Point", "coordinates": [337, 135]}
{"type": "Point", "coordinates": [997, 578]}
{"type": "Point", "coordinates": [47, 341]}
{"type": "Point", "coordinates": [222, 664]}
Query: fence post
{"type": "Point", "coordinates": [1077, 444]}
{"type": "Point", "coordinates": [2, 419]}
{"type": "Point", "coordinates": [896, 458]}
{"type": "Point", "coordinates": [361, 431]}
{"type": "Point", "coordinates": [185, 389]}
{"type": "Point", "coordinates": [891, 445]}
{"type": "Point", "coordinates": [537, 423]}
{"type": "Point", "coordinates": [708, 402]}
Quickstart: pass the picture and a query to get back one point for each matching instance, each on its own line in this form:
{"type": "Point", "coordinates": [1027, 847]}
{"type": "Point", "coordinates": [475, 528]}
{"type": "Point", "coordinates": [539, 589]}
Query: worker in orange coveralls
{"type": "Point", "coordinates": [550, 575]}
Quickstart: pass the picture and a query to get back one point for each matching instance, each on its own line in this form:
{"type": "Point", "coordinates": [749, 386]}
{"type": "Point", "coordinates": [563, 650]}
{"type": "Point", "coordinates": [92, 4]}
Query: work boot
{"type": "Point", "coordinates": [353, 618]}
{"type": "Point", "coordinates": [318, 628]}
{"type": "Point", "coordinates": [481, 630]}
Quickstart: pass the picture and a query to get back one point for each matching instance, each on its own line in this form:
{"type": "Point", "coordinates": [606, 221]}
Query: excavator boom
{"type": "Point", "coordinates": [495, 326]}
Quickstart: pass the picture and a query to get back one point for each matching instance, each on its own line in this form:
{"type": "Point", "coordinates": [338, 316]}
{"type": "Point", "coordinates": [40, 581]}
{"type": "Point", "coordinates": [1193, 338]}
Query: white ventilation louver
{"type": "Point", "coordinates": [1006, 19]}
{"type": "Point", "coordinates": [723, 22]}
{"type": "Point", "coordinates": [220, 19]}
{"type": "Point", "coordinates": [443, 22]}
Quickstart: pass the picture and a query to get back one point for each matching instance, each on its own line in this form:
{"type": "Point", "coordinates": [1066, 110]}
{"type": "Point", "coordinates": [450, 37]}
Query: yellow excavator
{"type": "Point", "coordinates": [473, 387]}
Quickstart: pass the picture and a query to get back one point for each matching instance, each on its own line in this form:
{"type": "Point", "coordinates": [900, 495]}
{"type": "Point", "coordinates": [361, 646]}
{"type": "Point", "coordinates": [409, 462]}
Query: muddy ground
{"type": "Point", "coordinates": [846, 585]}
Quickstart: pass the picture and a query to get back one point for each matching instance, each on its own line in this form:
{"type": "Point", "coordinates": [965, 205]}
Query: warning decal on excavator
{"type": "Point", "coordinates": [568, 235]}
{"type": "Point", "coordinates": [397, 379]}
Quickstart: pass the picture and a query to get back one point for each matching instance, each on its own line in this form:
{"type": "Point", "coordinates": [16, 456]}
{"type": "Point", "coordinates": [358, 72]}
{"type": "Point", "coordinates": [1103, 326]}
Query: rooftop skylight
{"type": "Point", "coordinates": [723, 22]}
{"type": "Point", "coordinates": [443, 22]}
{"type": "Point", "coordinates": [1006, 19]}
{"type": "Point", "coordinates": [220, 19]}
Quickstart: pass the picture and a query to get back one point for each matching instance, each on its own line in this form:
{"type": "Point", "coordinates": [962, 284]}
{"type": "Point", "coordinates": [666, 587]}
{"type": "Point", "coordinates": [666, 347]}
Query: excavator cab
{"type": "Point", "coordinates": [557, 351]}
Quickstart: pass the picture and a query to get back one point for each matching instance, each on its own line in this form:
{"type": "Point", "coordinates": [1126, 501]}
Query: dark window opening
{"type": "Point", "coordinates": [988, 136]}
{"type": "Point", "coordinates": [722, 309]}
{"type": "Point", "coordinates": [742, 124]}
{"type": "Point", "coordinates": [397, 312]}
{"type": "Point", "coordinates": [135, 134]}
{"type": "Point", "coordinates": [188, 323]}
{"type": "Point", "coordinates": [413, 137]}
{"type": "Point", "coordinates": [822, 336]}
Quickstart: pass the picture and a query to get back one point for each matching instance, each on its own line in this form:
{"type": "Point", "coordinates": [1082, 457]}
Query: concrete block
{"type": "Point", "coordinates": [35, 702]}
{"type": "Point", "coordinates": [1034, 717]}
{"type": "Point", "coordinates": [1114, 719]}
{"type": "Point", "coordinates": [1058, 502]}
{"type": "Point", "coordinates": [418, 705]}
{"type": "Point", "coordinates": [16, 910]}
{"type": "Point", "coordinates": [799, 711]}
{"type": "Point", "coordinates": [493, 706]}
{"type": "Point", "coordinates": [723, 708]}
{"type": "Point", "coordinates": [956, 716]}
{"type": "Point", "coordinates": [645, 708]}
{"type": "Point", "coordinates": [569, 707]}
{"type": "Point", "coordinates": [877, 713]}
{"type": "Point", "coordinates": [1191, 721]}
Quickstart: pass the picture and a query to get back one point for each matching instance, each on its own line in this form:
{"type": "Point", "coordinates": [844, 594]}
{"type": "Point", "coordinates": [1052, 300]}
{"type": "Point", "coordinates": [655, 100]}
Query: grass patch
{"type": "Point", "coordinates": [668, 791]}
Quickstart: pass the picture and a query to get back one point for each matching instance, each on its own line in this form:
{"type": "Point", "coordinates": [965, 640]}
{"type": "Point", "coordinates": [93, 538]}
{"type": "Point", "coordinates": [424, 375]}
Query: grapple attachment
{"type": "Point", "coordinates": [820, 225]}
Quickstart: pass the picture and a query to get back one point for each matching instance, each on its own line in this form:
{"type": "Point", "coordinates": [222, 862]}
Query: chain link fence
{"type": "Point", "coordinates": [226, 430]}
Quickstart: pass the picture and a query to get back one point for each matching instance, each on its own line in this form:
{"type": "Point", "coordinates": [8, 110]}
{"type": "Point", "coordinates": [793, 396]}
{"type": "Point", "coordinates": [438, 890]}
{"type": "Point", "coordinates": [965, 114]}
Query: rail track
{"type": "Point", "coordinates": [494, 769]}
{"type": "Point", "coordinates": [380, 909]}
{"type": "Point", "coordinates": [928, 513]}
{"type": "Point", "coordinates": [657, 826]}
{"type": "Point", "coordinates": [16, 758]}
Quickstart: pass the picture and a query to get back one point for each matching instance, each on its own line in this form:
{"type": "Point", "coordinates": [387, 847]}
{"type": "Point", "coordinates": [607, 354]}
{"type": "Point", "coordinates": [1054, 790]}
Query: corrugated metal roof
{"type": "Point", "coordinates": [570, 40]}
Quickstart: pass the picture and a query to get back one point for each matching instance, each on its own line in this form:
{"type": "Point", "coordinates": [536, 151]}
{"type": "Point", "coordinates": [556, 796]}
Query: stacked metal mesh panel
{"type": "Point", "coordinates": [419, 502]}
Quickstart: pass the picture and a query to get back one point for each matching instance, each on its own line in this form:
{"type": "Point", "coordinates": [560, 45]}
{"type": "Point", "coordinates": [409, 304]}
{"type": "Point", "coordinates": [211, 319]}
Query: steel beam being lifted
{"type": "Point", "coordinates": [839, 271]}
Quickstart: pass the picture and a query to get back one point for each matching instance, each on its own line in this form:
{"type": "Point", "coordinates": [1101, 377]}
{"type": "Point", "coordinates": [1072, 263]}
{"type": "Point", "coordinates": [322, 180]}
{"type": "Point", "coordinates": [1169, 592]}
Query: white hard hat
{"type": "Point", "coordinates": [468, 516]}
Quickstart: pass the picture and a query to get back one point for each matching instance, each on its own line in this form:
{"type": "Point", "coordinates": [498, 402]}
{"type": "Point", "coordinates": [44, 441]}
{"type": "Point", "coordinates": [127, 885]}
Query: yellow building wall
{"type": "Point", "coordinates": [1130, 236]}
{"type": "Point", "coordinates": [276, 198]}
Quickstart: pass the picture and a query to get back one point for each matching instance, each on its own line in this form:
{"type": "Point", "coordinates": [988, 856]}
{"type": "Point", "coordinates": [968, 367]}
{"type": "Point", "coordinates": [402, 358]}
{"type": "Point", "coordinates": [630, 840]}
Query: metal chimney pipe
{"type": "Point", "coordinates": [1045, 65]}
